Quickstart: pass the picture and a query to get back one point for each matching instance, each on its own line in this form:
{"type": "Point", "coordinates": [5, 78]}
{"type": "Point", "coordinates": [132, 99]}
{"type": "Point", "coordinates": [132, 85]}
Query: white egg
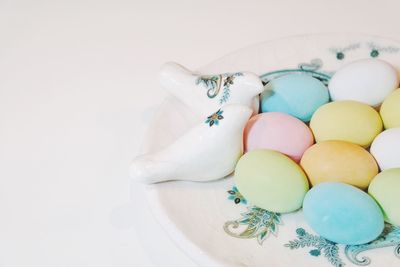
{"type": "Point", "coordinates": [368, 80]}
{"type": "Point", "coordinates": [386, 149]}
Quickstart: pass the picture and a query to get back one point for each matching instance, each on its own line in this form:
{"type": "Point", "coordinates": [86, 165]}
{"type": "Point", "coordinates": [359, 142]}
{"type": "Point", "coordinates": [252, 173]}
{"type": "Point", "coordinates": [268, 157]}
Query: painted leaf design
{"type": "Point", "coordinates": [389, 237]}
{"type": "Point", "coordinates": [209, 82]}
{"type": "Point", "coordinates": [263, 235]}
{"type": "Point", "coordinates": [249, 231]}
{"type": "Point", "coordinates": [330, 249]}
{"type": "Point", "coordinates": [259, 223]}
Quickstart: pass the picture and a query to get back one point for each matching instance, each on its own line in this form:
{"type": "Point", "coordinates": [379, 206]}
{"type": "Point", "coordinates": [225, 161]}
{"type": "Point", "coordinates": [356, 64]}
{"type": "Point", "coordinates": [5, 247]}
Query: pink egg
{"type": "Point", "coordinates": [280, 132]}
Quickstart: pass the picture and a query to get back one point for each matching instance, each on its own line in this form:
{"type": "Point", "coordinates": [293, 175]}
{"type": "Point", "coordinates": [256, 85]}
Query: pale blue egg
{"type": "Point", "coordinates": [343, 213]}
{"type": "Point", "coordinates": [299, 95]}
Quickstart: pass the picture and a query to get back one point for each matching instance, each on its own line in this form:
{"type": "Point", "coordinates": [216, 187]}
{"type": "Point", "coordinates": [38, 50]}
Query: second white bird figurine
{"type": "Point", "coordinates": [206, 93]}
{"type": "Point", "coordinates": [208, 151]}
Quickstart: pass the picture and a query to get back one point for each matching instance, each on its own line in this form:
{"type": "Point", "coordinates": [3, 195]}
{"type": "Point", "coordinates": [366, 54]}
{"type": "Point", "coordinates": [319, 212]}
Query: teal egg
{"type": "Point", "coordinates": [299, 95]}
{"type": "Point", "coordinates": [343, 213]}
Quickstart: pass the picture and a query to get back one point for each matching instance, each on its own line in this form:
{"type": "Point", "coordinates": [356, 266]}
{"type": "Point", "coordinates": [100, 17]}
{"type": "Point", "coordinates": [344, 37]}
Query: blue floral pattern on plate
{"type": "Point", "coordinates": [259, 223]}
{"type": "Point", "coordinates": [320, 244]}
{"type": "Point", "coordinates": [235, 196]}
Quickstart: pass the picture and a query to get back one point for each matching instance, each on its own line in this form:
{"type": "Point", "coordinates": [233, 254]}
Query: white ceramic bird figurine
{"type": "Point", "coordinates": [208, 151]}
{"type": "Point", "coordinates": [207, 93]}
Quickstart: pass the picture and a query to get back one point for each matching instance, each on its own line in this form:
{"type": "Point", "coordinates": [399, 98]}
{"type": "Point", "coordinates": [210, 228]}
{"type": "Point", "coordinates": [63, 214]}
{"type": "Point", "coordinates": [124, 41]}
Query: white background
{"type": "Point", "coordinates": [77, 90]}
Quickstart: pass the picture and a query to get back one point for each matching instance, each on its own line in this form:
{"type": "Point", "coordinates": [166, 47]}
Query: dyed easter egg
{"type": "Point", "coordinates": [280, 132]}
{"type": "Point", "coordinates": [343, 214]}
{"type": "Point", "coordinates": [299, 95]}
{"type": "Point", "coordinates": [350, 121]}
{"type": "Point", "coordinates": [386, 149]}
{"type": "Point", "coordinates": [368, 81]}
{"type": "Point", "coordinates": [271, 180]}
{"type": "Point", "coordinates": [339, 161]}
{"type": "Point", "coordinates": [390, 110]}
{"type": "Point", "coordinates": [384, 188]}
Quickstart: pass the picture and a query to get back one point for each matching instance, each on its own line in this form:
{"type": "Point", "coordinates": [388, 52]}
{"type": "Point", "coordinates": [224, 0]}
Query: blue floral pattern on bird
{"type": "Point", "coordinates": [214, 83]}
{"type": "Point", "coordinates": [214, 118]}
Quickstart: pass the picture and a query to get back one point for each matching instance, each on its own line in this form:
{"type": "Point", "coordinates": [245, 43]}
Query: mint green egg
{"type": "Point", "coordinates": [271, 181]}
{"type": "Point", "coordinates": [384, 188]}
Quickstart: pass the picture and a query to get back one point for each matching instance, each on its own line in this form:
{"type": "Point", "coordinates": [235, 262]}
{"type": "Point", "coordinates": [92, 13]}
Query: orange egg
{"type": "Point", "coordinates": [339, 161]}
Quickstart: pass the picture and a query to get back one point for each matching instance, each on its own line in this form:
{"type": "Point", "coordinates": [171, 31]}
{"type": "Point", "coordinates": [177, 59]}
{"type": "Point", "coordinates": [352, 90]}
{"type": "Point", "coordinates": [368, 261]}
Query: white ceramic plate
{"type": "Point", "coordinates": [218, 228]}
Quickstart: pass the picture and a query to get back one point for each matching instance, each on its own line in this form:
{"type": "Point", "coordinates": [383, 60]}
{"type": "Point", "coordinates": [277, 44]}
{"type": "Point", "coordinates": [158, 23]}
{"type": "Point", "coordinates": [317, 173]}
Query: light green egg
{"type": "Point", "coordinates": [390, 110]}
{"type": "Point", "coordinates": [384, 188]}
{"type": "Point", "coordinates": [271, 180]}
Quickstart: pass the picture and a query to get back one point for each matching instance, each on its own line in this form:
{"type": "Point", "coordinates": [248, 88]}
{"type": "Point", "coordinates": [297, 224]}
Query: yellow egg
{"type": "Point", "coordinates": [339, 161]}
{"type": "Point", "coordinates": [349, 121]}
{"type": "Point", "coordinates": [390, 110]}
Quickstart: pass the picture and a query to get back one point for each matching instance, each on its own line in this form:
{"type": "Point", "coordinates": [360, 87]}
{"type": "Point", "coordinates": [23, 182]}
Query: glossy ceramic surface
{"type": "Point", "coordinates": [212, 222]}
